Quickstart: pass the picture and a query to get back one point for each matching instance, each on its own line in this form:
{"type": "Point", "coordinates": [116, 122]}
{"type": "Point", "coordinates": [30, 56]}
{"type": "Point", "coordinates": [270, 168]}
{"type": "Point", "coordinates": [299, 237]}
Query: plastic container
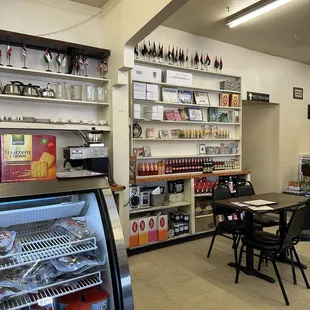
{"type": "Point", "coordinates": [66, 300]}
{"type": "Point", "coordinates": [90, 289]}
{"type": "Point", "coordinates": [79, 306]}
{"type": "Point", "coordinates": [157, 200]}
{"type": "Point", "coordinates": [98, 299]}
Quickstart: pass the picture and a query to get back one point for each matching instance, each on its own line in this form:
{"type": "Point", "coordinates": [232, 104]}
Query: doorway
{"type": "Point", "coordinates": [260, 144]}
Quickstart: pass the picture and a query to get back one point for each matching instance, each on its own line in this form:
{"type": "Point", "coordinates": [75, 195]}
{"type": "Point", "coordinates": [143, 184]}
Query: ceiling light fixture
{"type": "Point", "coordinates": [253, 11]}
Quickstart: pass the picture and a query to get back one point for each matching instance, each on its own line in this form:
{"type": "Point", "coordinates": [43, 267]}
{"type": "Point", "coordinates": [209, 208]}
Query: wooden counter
{"type": "Point", "coordinates": [186, 176]}
{"type": "Point", "coordinates": [117, 188]}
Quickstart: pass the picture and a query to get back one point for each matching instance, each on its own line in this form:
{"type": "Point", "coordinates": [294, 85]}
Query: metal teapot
{"type": "Point", "coordinates": [13, 88]}
{"type": "Point", "coordinates": [48, 92]}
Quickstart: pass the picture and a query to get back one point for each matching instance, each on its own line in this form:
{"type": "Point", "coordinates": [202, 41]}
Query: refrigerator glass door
{"type": "Point", "coordinates": [57, 245]}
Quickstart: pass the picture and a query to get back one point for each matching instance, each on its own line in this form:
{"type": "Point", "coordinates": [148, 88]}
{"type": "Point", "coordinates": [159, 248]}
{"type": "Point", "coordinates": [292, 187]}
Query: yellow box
{"type": "Point", "coordinates": [134, 233]}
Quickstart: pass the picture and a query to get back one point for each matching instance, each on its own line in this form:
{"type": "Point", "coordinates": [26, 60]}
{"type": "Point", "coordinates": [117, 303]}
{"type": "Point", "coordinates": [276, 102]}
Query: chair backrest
{"type": "Point", "coordinates": [244, 189]}
{"type": "Point", "coordinates": [220, 193]}
{"type": "Point", "coordinates": [296, 224]}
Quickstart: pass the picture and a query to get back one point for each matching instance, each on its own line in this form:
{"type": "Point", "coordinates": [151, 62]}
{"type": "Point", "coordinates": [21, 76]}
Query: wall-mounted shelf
{"type": "Point", "coordinates": [185, 156]}
{"type": "Point", "coordinates": [184, 122]}
{"type": "Point", "coordinates": [185, 69]}
{"type": "Point", "coordinates": [178, 104]}
{"type": "Point", "coordinates": [170, 206]}
{"type": "Point", "coordinates": [50, 100]}
{"type": "Point", "coordinates": [210, 90]}
{"type": "Point", "coordinates": [202, 139]}
{"type": "Point", "coordinates": [49, 126]}
{"type": "Point", "coordinates": [57, 46]}
{"type": "Point", "coordinates": [52, 75]}
{"type": "Point", "coordinates": [186, 176]}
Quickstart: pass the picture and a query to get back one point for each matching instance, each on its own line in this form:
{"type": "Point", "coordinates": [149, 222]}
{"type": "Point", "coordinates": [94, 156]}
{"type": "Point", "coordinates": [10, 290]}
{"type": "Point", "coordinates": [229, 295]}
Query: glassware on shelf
{"type": "Point", "coordinates": [76, 92]}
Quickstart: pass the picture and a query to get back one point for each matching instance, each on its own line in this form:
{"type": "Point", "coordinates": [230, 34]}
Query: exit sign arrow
{"type": "Point", "coordinates": [252, 96]}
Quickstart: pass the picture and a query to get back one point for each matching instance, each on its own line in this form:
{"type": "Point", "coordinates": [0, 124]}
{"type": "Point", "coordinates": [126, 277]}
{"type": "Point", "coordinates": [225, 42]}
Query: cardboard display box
{"type": "Point", "coordinates": [143, 231]}
{"type": "Point", "coordinates": [134, 233]}
{"type": "Point", "coordinates": [27, 157]}
{"type": "Point", "coordinates": [204, 224]}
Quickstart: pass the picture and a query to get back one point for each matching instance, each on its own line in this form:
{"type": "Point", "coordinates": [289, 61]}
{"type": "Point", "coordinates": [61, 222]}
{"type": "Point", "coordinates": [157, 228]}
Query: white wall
{"type": "Point", "coordinates": [260, 73]}
{"type": "Point", "coordinates": [59, 17]}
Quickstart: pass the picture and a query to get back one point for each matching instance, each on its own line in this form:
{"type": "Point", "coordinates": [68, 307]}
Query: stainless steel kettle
{"type": "Point", "coordinates": [14, 88]}
{"type": "Point", "coordinates": [93, 136]}
{"type": "Point", "coordinates": [31, 90]}
{"type": "Point", "coordinates": [48, 92]}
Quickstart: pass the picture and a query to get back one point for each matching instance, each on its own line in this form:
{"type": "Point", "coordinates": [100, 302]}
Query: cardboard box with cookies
{"type": "Point", "coordinates": [27, 157]}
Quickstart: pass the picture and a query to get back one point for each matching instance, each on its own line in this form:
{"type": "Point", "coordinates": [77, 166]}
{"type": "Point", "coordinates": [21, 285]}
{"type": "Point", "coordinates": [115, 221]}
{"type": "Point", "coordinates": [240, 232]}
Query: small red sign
{"type": "Point", "coordinates": [134, 227]}
{"type": "Point", "coordinates": [162, 222]}
{"type": "Point", "coordinates": [142, 225]}
{"type": "Point", "coordinates": [151, 223]}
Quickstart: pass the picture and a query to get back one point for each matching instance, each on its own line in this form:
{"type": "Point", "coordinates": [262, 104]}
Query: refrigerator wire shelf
{"type": "Point", "coordinates": [49, 293]}
{"type": "Point", "coordinates": [44, 244]}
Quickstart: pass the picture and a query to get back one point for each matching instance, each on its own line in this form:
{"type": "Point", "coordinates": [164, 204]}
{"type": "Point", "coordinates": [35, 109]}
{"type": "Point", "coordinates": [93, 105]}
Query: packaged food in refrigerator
{"type": "Point", "coordinates": [6, 240]}
{"type": "Point", "coordinates": [75, 263]}
{"type": "Point", "coordinates": [16, 248]}
{"type": "Point", "coordinates": [45, 273]}
{"type": "Point", "coordinates": [78, 229]}
{"type": "Point", "coordinates": [6, 292]}
{"type": "Point", "coordinates": [20, 279]}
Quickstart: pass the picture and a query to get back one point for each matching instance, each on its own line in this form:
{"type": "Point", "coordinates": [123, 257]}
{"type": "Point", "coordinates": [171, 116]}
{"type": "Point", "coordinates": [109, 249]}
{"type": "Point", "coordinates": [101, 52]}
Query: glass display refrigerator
{"type": "Point", "coordinates": [62, 247]}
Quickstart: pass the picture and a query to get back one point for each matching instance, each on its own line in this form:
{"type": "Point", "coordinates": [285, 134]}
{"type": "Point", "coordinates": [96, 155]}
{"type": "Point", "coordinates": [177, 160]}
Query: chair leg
{"type": "Point", "coordinates": [238, 241]}
{"type": "Point", "coordinates": [235, 249]}
{"type": "Point", "coordinates": [212, 242]}
{"type": "Point", "coordinates": [301, 268]}
{"type": "Point", "coordinates": [239, 264]}
{"type": "Point", "coordinates": [293, 267]}
{"type": "Point", "coordinates": [279, 278]}
{"type": "Point", "coordinates": [260, 260]}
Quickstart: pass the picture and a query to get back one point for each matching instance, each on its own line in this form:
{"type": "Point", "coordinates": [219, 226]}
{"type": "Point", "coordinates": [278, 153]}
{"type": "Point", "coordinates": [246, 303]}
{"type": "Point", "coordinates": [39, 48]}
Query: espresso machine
{"type": "Point", "coordinates": [90, 157]}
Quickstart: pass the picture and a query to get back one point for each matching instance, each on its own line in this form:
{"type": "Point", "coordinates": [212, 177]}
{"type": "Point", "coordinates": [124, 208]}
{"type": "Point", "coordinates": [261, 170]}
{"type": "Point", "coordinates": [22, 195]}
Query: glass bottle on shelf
{"type": "Point", "coordinates": [147, 169]}
{"type": "Point", "coordinates": [151, 168]}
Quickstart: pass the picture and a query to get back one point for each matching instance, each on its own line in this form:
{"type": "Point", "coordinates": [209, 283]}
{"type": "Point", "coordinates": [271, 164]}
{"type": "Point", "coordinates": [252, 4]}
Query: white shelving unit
{"type": "Point", "coordinates": [174, 148]}
{"type": "Point", "coordinates": [208, 90]}
{"type": "Point", "coordinates": [170, 206]}
{"type": "Point", "coordinates": [185, 69]}
{"type": "Point", "coordinates": [178, 104]}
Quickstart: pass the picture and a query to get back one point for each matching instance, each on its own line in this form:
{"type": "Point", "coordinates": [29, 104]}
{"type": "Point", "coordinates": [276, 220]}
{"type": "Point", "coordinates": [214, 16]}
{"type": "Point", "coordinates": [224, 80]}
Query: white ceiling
{"type": "Point", "coordinates": [96, 3]}
{"type": "Point", "coordinates": [272, 33]}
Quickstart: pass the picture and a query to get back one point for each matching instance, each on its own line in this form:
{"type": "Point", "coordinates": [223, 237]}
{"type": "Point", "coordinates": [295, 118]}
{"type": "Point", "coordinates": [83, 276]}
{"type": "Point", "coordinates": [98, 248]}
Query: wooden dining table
{"type": "Point", "coordinates": [283, 203]}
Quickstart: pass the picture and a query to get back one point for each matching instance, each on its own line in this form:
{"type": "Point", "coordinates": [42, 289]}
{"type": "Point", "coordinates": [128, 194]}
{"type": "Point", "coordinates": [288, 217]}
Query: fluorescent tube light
{"type": "Point", "coordinates": [253, 11]}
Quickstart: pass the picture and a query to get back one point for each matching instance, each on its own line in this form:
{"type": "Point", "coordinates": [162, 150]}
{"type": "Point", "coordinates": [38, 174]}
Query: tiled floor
{"type": "Point", "coordinates": [182, 277]}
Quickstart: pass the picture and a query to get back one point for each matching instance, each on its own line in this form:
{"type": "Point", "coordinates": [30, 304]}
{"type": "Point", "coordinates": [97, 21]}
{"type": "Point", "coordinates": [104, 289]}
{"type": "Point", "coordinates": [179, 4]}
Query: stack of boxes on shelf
{"type": "Point", "coordinates": [149, 228]}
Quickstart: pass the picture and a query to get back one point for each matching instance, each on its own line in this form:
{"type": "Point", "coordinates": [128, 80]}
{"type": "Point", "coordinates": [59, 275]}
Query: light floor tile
{"type": "Point", "coordinates": [182, 277]}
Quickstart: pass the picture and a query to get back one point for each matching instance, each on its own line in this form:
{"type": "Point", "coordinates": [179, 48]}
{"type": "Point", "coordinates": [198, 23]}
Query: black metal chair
{"type": "Point", "coordinates": [267, 219]}
{"type": "Point", "coordinates": [271, 245]}
{"type": "Point", "coordinates": [236, 228]}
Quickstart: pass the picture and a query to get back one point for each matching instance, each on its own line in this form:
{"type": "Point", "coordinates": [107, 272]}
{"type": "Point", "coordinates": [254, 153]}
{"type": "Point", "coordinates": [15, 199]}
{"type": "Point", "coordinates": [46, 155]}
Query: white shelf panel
{"type": "Point", "coordinates": [202, 216]}
{"type": "Point", "coordinates": [185, 122]}
{"type": "Point", "coordinates": [52, 291]}
{"type": "Point", "coordinates": [170, 206]}
{"type": "Point", "coordinates": [185, 156]}
{"type": "Point", "coordinates": [50, 126]}
{"type": "Point", "coordinates": [185, 69]}
{"type": "Point", "coordinates": [202, 139]}
{"type": "Point", "coordinates": [40, 243]}
{"type": "Point", "coordinates": [178, 104]}
{"type": "Point", "coordinates": [54, 75]}
{"type": "Point", "coordinates": [158, 242]}
{"type": "Point", "coordinates": [210, 90]}
{"type": "Point", "coordinates": [50, 100]}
